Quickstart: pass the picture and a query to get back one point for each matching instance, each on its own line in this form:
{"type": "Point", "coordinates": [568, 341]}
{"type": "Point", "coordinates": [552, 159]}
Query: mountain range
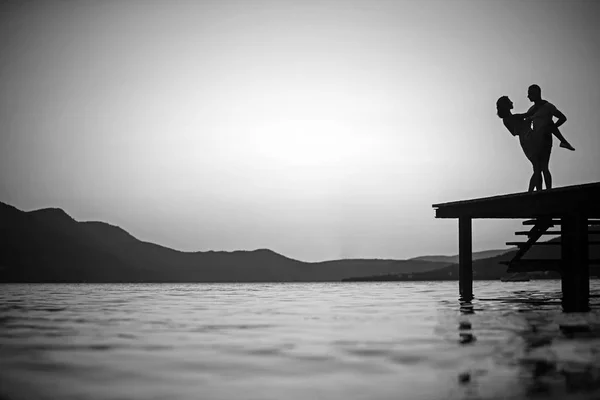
{"type": "Point", "coordinates": [48, 245]}
{"type": "Point", "coordinates": [478, 255]}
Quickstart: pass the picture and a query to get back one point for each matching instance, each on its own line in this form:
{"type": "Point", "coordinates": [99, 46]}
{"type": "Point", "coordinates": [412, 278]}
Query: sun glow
{"type": "Point", "coordinates": [295, 142]}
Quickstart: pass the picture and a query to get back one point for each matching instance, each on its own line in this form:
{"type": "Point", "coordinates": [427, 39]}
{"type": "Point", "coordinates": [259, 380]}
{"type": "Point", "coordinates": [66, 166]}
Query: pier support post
{"type": "Point", "coordinates": [575, 273]}
{"type": "Point", "coordinates": [465, 258]}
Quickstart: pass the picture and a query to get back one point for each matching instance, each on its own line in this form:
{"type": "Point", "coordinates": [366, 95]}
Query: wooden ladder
{"type": "Point", "coordinates": [542, 227]}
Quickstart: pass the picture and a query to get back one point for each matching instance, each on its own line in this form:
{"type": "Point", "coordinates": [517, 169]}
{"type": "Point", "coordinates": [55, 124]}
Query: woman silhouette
{"type": "Point", "coordinates": [532, 144]}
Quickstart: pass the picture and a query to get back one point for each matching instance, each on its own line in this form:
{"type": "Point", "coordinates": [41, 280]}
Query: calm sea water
{"type": "Point", "coordinates": [392, 340]}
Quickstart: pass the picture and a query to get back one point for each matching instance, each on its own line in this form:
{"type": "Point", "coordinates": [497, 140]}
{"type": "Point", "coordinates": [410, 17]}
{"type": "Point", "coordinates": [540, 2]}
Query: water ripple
{"type": "Point", "coordinates": [295, 341]}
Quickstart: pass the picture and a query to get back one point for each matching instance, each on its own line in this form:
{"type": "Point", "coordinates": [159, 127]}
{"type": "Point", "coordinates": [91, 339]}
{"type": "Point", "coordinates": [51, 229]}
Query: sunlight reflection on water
{"type": "Point", "coordinates": [295, 341]}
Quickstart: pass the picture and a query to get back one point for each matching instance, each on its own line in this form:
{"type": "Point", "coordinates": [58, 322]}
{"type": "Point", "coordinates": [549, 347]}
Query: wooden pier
{"type": "Point", "coordinates": [575, 209]}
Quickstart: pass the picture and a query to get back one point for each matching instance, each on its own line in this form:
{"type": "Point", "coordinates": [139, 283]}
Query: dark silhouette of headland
{"type": "Point", "coordinates": [49, 246]}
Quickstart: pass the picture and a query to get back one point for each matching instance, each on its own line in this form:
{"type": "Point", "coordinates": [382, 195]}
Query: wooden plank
{"type": "Point", "coordinates": [528, 233]}
{"type": "Point", "coordinates": [555, 203]}
{"type": "Point", "coordinates": [545, 193]}
{"type": "Point", "coordinates": [535, 221]}
{"type": "Point", "coordinates": [535, 261]}
{"type": "Point", "coordinates": [554, 233]}
{"type": "Point", "coordinates": [534, 244]}
{"type": "Point", "coordinates": [591, 222]}
{"type": "Point", "coordinates": [557, 243]}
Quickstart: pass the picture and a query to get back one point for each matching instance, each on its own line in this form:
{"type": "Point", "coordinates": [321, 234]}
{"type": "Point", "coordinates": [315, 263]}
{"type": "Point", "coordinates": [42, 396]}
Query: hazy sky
{"type": "Point", "coordinates": [318, 129]}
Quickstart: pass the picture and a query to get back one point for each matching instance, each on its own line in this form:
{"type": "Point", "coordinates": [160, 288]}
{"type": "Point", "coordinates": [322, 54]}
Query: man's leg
{"type": "Point", "coordinates": [547, 178]}
{"type": "Point", "coordinates": [545, 166]}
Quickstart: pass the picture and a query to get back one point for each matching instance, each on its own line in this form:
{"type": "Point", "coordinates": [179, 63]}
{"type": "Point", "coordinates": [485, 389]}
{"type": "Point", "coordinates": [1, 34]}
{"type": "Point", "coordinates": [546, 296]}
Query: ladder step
{"type": "Point", "coordinates": [533, 244]}
{"type": "Point", "coordinates": [546, 220]}
{"type": "Point", "coordinates": [590, 242]}
{"type": "Point", "coordinates": [528, 233]}
{"type": "Point", "coordinates": [592, 222]}
{"type": "Point", "coordinates": [542, 261]}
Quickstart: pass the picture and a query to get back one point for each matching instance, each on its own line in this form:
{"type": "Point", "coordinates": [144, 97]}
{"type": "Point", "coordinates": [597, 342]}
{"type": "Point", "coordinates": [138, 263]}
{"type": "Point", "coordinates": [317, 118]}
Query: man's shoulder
{"type": "Point", "coordinates": [544, 107]}
{"type": "Point", "coordinates": [549, 105]}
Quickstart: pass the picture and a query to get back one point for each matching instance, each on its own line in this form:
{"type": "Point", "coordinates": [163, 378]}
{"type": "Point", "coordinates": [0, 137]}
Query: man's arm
{"type": "Point", "coordinates": [554, 129]}
{"type": "Point", "coordinates": [561, 117]}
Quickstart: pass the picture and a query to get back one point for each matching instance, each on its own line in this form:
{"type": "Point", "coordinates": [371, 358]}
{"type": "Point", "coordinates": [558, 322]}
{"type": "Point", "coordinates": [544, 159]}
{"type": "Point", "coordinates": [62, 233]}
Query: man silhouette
{"type": "Point", "coordinates": [542, 113]}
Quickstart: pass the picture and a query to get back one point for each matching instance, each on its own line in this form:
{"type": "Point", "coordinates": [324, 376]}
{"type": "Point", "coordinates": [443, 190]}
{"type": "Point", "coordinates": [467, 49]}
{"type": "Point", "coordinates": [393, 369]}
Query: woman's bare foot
{"type": "Point", "coordinates": [567, 145]}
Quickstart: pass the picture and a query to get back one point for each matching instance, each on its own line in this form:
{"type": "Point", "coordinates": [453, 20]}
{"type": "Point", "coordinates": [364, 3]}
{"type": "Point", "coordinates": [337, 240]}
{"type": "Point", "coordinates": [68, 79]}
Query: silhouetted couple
{"type": "Point", "coordinates": [535, 129]}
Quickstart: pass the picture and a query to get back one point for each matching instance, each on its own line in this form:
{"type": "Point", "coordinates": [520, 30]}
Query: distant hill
{"type": "Point", "coordinates": [484, 268]}
{"type": "Point", "coordinates": [49, 246]}
{"type": "Point", "coordinates": [477, 255]}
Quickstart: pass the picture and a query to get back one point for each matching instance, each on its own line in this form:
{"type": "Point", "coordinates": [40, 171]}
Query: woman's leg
{"type": "Point", "coordinates": [535, 183]}
{"type": "Point", "coordinates": [563, 142]}
{"type": "Point", "coordinates": [531, 183]}
{"type": "Point", "coordinates": [533, 155]}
